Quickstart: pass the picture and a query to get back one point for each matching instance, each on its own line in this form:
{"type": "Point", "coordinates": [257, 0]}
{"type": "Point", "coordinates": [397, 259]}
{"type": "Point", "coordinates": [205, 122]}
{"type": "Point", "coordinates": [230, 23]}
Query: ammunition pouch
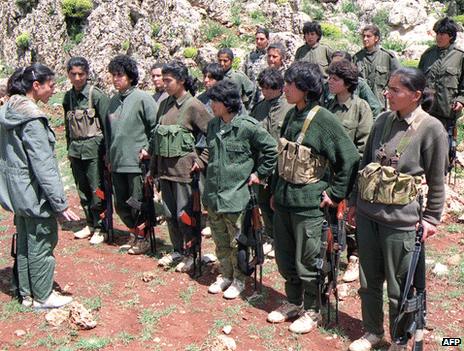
{"type": "Point", "coordinates": [83, 124]}
{"type": "Point", "coordinates": [173, 141]}
{"type": "Point", "coordinates": [385, 185]}
{"type": "Point", "coordinates": [297, 164]}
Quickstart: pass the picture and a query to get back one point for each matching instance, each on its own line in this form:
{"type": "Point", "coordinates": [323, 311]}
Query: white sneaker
{"type": "Point", "coordinates": [83, 233]}
{"type": "Point", "coordinates": [98, 237]}
{"type": "Point", "coordinates": [169, 259]}
{"type": "Point", "coordinates": [395, 347]}
{"type": "Point", "coordinates": [185, 265]}
{"type": "Point", "coordinates": [352, 271]}
{"type": "Point", "coordinates": [284, 312]}
{"type": "Point", "coordinates": [234, 290]}
{"type": "Point", "coordinates": [366, 342]}
{"type": "Point", "coordinates": [271, 254]}
{"type": "Point", "coordinates": [206, 232]}
{"type": "Point", "coordinates": [27, 301]}
{"type": "Point", "coordinates": [140, 247]}
{"type": "Point", "coordinates": [219, 285]}
{"type": "Point", "coordinates": [307, 322]}
{"type": "Point", "coordinates": [53, 301]}
{"type": "Point", "coordinates": [131, 242]}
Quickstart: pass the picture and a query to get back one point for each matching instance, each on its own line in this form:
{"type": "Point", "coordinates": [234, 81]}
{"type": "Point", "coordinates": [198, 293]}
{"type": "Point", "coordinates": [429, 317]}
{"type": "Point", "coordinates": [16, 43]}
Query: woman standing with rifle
{"type": "Point", "coordinates": [405, 144]}
{"type": "Point", "coordinates": [30, 184]}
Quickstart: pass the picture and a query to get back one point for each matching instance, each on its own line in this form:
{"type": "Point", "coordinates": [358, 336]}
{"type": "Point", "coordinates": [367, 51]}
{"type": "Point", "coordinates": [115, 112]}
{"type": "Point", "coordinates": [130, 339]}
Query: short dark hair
{"type": "Point", "coordinates": [347, 71]}
{"type": "Point", "coordinates": [280, 47]}
{"type": "Point", "coordinates": [179, 71]}
{"type": "Point", "coordinates": [447, 26]}
{"type": "Point", "coordinates": [124, 64]}
{"type": "Point", "coordinates": [371, 28]}
{"type": "Point", "coordinates": [312, 27]}
{"type": "Point", "coordinates": [78, 61]}
{"type": "Point", "coordinates": [343, 54]}
{"type": "Point", "coordinates": [271, 78]}
{"type": "Point", "coordinates": [226, 92]}
{"type": "Point", "coordinates": [307, 78]}
{"type": "Point", "coordinates": [226, 51]}
{"type": "Point", "coordinates": [414, 79]}
{"type": "Point", "coordinates": [264, 31]}
{"type": "Point", "coordinates": [22, 79]}
{"type": "Point", "coordinates": [214, 70]}
{"type": "Point", "coordinates": [156, 66]}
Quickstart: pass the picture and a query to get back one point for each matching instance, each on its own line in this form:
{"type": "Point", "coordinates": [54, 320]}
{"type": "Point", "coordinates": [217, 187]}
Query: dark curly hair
{"type": "Point", "coordinates": [447, 26]}
{"type": "Point", "coordinates": [347, 71]}
{"type": "Point", "coordinates": [78, 61]}
{"type": "Point", "coordinates": [226, 92]}
{"type": "Point", "coordinates": [271, 78]}
{"type": "Point", "coordinates": [179, 71]}
{"type": "Point", "coordinates": [124, 64]}
{"type": "Point", "coordinates": [307, 78]}
{"type": "Point", "coordinates": [312, 27]}
{"type": "Point", "coordinates": [214, 70]}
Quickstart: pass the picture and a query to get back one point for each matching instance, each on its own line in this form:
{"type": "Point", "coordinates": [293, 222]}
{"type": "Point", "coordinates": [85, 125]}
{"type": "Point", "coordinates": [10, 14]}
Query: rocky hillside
{"type": "Point", "coordinates": [50, 31]}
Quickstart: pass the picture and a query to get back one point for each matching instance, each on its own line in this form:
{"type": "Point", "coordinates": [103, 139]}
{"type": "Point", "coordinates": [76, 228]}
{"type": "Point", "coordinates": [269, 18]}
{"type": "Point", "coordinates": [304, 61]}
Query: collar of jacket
{"type": "Point", "coordinates": [84, 92]}
{"type": "Point", "coordinates": [374, 50]}
{"type": "Point", "coordinates": [126, 93]}
{"type": "Point", "coordinates": [180, 101]}
{"type": "Point", "coordinates": [412, 116]}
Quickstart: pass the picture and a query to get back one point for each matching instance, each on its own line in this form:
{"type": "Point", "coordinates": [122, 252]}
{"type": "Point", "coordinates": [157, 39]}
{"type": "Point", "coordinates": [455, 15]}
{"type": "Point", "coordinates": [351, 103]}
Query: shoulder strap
{"type": "Point", "coordinates": [307, 122]}
{"type": "Point", "coordinates": [407, 136]}
{"type": "Point", "coordinates": [92, 87]}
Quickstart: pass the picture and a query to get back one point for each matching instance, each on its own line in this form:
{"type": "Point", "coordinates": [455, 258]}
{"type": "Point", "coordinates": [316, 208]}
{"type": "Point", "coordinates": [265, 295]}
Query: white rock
{"type": "Point", "coordinates": [209, 258]}
{"type": "Point", "coordinates": [227, 329]}
{"type": "Point", "coordinates": [227, 342]}
{"type": "Point", "coordinates": [440, 269]}
{"type": "Point", "coordinates": [20, 332]}
{"type": "Point", "coordinates": [454, 260]}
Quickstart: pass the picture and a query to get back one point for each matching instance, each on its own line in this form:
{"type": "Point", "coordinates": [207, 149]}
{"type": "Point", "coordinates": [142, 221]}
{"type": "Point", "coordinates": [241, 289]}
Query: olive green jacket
{"type": "Point", "coordinates": [85, 149]}
{"type": "Point", "coordinates": [129, 126]}
{"type": "Point", "coordinates": [243, 83]}
{"type": "Point", "coordinates": [233, 155]}
{"type": "Point", "coordinates": [30, 182]}
{"type": "Point", "coordinates": [319, 54]}
{"type": "Point", "coordinates": [326, 137]}
{"type": "Point", "coordinates": [376, 67]}
{"type": "Point", "coordinates": [271, 114]}
{"type": "Point", "coordinates": [254, 63]}
{"type": "Point", "coordinates": [356, 117]}
{"type": "Point", "coordinates": [444, 69]}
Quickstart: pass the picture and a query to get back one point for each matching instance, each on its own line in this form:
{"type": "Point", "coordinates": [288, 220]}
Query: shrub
{"type": "Point", "coordinates": [236, 63]}
{"type": "Point", "coordinates": [258, 17]}
{"type": "Point", "coordinates": [190, 52]}
{"type": "Point", "coordinates": [213, 30]}
{"type": "Point", "coordinates": [349, 6]}
{"type": "Point", "coordinates": [68, 47]}
{"type": "Point", "coordinates": [78, 38]}
{"type": "Point", "coordinates": [125, 45]}
{"type": "Point", "coordinates": [315, 11]}
{"type": "Point", "coordinates": [23, 40]}
{"type": "Point", "coordinates": [351, 25]}
{"type": "Point", "coordinates": [155, 49]}
{"type": "Point", "coordinates": [380, 19]}
{"type": "Point", "coordinates": [235, 13]}
{"type": "Point", "coordinates": [229, 41]}
{"type": "Point", "coordinates": [281, 2]}
{"type": "Point", "coordinates": [155, 29]}
{"type": "Point", "coordinates": [459, 19]}
{"type": "Point", "coordinates": [410, 63]}
{"type": "Point", "coordinates": [331, 31]}
{"type": "Point", "coordinates": [76, 8]}
{"type": "Point", "coordinates": [26, 5]}
{"type": "Point", "coordinates": [394, 45]}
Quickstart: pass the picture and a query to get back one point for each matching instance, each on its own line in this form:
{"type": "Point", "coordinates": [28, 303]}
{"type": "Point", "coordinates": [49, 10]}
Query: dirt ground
{"type": "Point", "coordinates": [175, 312]}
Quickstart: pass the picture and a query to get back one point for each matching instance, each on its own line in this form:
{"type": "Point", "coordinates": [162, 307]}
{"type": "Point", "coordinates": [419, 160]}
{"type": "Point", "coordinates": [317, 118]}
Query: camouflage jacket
{"type": "Point", "coordinates": [376, 67]}
{"type": "Point", "coordinates": [444, 69]}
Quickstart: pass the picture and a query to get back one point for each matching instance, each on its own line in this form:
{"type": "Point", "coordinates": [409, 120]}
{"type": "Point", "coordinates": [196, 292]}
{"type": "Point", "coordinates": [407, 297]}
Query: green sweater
{"type": "Point", "coordinates": [129, 125]}
{"type": "Point", "coordinates": [327, 137]}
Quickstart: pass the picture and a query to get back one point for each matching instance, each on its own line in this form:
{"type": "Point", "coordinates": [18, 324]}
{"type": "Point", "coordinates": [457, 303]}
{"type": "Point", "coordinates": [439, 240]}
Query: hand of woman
{"type": "Point", "coordinates": [327, 201]}
{"type": "Point", "coordinates": [429, 229]}
{"type": "Point", "coordinates": [253, 179]}
{"type": "Point", "coordinates": [68, 215]}
{"type": "Point", "coordinates": [351, 216]}
{"type": "Point", "coordinates": [144, 155]}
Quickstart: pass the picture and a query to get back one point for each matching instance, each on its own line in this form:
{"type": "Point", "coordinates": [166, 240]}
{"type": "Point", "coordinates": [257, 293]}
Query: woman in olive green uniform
{"type": "Point", "coordinates": [409, 142]}
{"type": "Point", "coordinates": [181, 119]}
{"type": "Point", "coordinates": [321, 150]}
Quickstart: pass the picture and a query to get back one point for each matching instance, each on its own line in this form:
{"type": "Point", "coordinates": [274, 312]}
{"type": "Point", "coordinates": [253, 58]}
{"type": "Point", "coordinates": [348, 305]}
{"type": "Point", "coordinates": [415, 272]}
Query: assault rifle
{"type": "Point", "coordinates": [194, 221]}
{"type": "Point", "coordinates": [106, 195]}
{"type": "Point", "coordinates": [146, 208]}
{"type": "Point", "coordinates": [332, 245]}
{"type": "Point", "coordinates": [412, 311]}
{"type": "Point", "coordinates": [250, 242]}
{"type": "Point", "coordinates": [453, 137]}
